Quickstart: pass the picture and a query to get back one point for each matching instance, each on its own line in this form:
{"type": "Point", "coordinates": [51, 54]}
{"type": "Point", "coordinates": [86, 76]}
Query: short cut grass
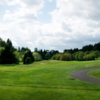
{"type": "Point", "coordinates": [47, 80]}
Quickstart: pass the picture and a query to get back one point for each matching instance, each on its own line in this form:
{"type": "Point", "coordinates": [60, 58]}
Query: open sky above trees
{"type": "Point", "coordinates": [50, 24]}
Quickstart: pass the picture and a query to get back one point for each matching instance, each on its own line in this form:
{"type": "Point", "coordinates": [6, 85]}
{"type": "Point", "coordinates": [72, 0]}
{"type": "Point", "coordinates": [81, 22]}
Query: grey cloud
{"type": "Point", "coordinates": [95, 16]}
{"type": "Point", "coordinates": [94, 25]}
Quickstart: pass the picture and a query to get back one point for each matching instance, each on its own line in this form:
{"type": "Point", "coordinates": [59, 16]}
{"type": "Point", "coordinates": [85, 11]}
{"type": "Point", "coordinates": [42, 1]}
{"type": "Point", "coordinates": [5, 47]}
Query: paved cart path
{"type": "Point", "coordinates": [82, 75]}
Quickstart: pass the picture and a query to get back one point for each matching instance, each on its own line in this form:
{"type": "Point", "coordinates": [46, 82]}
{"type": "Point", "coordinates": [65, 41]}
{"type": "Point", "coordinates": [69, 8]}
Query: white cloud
{"type": "Point", "coordinates": [50, 0]}
{"type": "Point", "coordinates": [73, 23]}
{"type": "Point", "coordinates": [27, 9]}
{"type": "Point", "coordinates": [3, 1]}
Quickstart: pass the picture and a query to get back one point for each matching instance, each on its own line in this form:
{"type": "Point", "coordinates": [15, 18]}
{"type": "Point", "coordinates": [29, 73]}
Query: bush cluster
{"type": "Point", "coordinates": [65, 57]}
{"type": "Point", "coordinates": [79, 56]}
{"type": "Point", "coordinates": [37, 56]}
{"type": "Point", "coordinates": [57, 56]}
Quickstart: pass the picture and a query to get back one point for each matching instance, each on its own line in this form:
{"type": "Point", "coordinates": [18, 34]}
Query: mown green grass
{"type": "Point", "coordinates": [46, 80]}
{"type": "Point", "coordinates": [95, 73]}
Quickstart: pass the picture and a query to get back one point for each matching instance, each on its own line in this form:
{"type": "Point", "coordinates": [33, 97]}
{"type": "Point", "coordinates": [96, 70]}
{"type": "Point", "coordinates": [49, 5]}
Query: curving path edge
{"type": "Point", "coordinates": [82, 75]}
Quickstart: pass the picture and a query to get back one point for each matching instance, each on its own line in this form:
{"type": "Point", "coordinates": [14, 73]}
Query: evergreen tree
{"type": "Point", "coordinates": [35, 50]}
{"type": "Point", "coordinates": [9, 43]}
{"type": "Point", "coordinates": [7, 56]}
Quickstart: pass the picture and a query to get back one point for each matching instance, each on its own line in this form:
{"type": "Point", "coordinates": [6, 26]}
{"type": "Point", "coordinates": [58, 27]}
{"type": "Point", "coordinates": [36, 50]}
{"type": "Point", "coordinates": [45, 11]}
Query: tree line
{"type": "Point", "coordinates": [10, 55]}
{"type": "Point", "coordinates": [89, 47]}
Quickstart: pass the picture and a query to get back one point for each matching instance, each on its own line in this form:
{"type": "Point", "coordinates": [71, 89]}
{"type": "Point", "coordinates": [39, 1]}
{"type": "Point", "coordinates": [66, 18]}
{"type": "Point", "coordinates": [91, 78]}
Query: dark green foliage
{"type": "Point", "coordinates": [47, 56]}
{"type": "Point", "coordinates": [73, 56]}
{"type": "Point", "coordinates": [28, 60]}
{"type": "Point", "coordinates": [87, 48]}
{"type": "Point", "coordinates": [96, 47]}
{"type": "Point", "coordinates": [66, 57]}
{"type": "Point", "coordinates": [2, 43]}
{"type": "Point", "coordinates": [7, 56]}
{"type": "Point", "coordinates": [23, 49]}
{"type": "Point", "coordinates": [43, 53]}
{"type": "Point", "coordinates": [9, 43]}
{"type": "Point", "coordinates": [1, 48]}
{"type": "Point", "coordinates": [35, 50]}
{"type": "Point", "coordinates": [84, 48]}
{"type": "Point", "coordinates": [71, 51]}
{"type": "Point", "coordinates": [28, 54]}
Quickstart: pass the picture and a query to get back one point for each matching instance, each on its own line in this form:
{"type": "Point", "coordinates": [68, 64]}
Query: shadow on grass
{"type": "Point", "coordinates": [8, 65]}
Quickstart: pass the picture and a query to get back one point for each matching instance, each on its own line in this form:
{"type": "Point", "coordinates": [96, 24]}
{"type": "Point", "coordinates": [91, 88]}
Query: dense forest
{"type": "Point", "coordinates": [9, 54]}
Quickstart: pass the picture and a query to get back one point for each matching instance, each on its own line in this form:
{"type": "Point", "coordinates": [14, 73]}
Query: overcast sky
{"type": "Point", "coordinates": [50, 24]}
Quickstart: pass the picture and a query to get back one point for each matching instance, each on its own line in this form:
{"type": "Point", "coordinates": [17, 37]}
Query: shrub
{"type": "Point", "coordinates": [66, 57]}
{"type": "Point", "coordinates": [87, 52]}
{"type": "Point", "coordinates": [85, 58]}
{"type": "Point", "coordinates": [96, 58]}
{"type": "Point", "coordinates": [89, 57]}
{"type": "Point", "coordinates": [28, 54]}
{"type": "Point", "coordinates": [47, 56]}
{"type": "Point", "coordinates": [37, 56]}
{"type": "Point", "coordinates": [28, 60]}
{"type": "Point", "coordinates": [73, 56]}
{"type": "Point", "coordinates": [97, 54]}
{"type": "Point", "coordinates": [54, 57]}
{"type": "Point", "coordinates": [80, 55]}
{"type": "Point", "coordinates": [76, 55]}
{"type": "Point", "coordinates": [57, 56]}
